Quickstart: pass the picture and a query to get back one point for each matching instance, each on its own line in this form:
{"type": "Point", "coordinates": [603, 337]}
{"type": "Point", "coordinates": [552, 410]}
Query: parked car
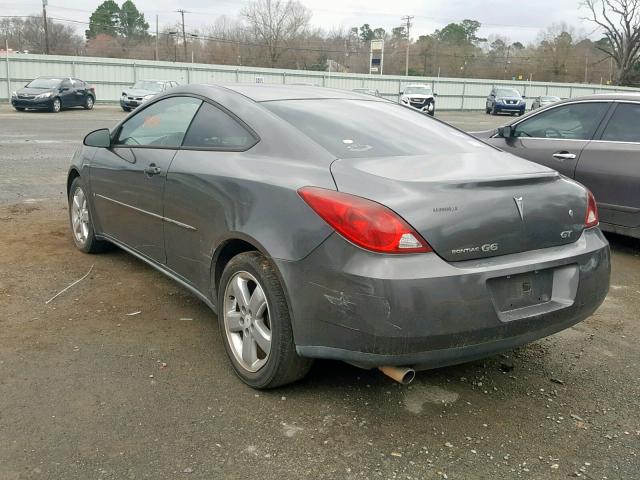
{"type": "Point", "coordinates": [544, 101]}
{"type": "Point", "coordinates": [143, 91]}
{"type": "Point", "coordinates": [298, 215]}
{"type": "Point", "coordinates": [368, 91]}
{"type": "Point", "coordinates": [54, 94]}
{"type": "Point", "coordinates": [419, 97]}
{"type": "Point", "coordinates": [594, 140]}
{"type": "Point", "coordinates": [502, 99]}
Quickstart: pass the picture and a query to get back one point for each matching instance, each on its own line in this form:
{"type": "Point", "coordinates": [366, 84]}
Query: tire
{"type": "Point", "coordinates": [126, 109]}
{"type": "Point", "coordinates": [493, 110]}
{"type": "Point", "coordinates": [55, 106]}
{"type": "Point", "coordinates": [88, 103]}
{"type": "Point", "coordinates": [520, 114]}
{"type": "Point", "coordinates": [245, 274]}
{"type": "Point", "coordinates": [487, 111]}
{"type": "Point", "coordinates": [83, 234]}
{"type": "Point", "coordinates": [20, 109]}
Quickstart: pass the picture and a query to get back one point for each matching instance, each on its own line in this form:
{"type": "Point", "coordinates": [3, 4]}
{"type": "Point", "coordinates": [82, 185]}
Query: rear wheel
{"type": "Point", "coordinates": [55, 106]}
{"type": "Point", "coordinates": [20, 109]}
{"type": "Point", "coordinates": [126, 109]}
{"type": "Point", "coordinates": [88, 103]}
{"type": "Point", "coordinates": [493, 110]}
{"type": "Point", "coordinates": [255, 325]}
{"type": "Point", "coordinates": [80, 220]}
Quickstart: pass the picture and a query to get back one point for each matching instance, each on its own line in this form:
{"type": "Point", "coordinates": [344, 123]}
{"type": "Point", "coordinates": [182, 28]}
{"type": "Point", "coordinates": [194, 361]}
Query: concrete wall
{"type": "Point", "coordinates": [110, 76]}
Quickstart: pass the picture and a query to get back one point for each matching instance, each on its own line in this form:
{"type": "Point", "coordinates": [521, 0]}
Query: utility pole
{"type": "Point", "coordinates": [586, 68]}
{"type": "Point", "coordinates": [408, 19]}
{"type": "Point", "coordinates": [156, 55]}
{"type": "Point", "coordinates": [184, 36]}
{"type": "Point", "coordinates": [46, 27]}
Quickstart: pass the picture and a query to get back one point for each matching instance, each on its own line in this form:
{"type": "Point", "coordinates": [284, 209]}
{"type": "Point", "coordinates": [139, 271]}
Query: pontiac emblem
{"type": "Point", "coordinates": [520, 205]}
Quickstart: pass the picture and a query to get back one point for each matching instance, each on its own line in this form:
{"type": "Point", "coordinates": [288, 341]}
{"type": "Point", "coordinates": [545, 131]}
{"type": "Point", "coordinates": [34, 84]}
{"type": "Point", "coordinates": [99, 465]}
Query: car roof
{"type": "Point", "coordinates": [635, 96]}
{"type": "Point", "coordinates": [262, 92]}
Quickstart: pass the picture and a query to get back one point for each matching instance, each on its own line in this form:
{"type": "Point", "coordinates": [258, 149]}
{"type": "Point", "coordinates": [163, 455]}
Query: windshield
{"type": "Point", "coordinates": [44, 83]}
{"type": "Point", "coordinates": [507, 92]}
{"type": "Point", "coordinates": [419, 90]}
{"type": "Point", "coordinates": [363, 129]}
{"type": "Point", "coordinates": [148, 85]}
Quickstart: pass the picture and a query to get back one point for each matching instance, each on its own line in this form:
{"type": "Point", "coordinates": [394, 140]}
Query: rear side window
{"type": "Point", "coordinates": [623, 126]}
{"type": "Point", "coordinates": [162, 124]}
{"type": "Point", "coordinates": [577, 121]}
{"type": "Point", "coordinates": [213, 128]}
{"type": "Point", "coordinates": [361, 128]}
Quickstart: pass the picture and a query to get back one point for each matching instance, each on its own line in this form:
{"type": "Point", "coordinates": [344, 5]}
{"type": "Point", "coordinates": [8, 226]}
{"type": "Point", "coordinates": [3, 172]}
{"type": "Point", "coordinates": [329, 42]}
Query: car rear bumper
{"type": "Point", "coordinates": [373, 310]}
{"type": "Point", "coordinates": [31, 103]}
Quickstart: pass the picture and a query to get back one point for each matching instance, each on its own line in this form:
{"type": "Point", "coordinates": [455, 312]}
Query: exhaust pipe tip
{"type": "Point", "coordinates": [402, 375]}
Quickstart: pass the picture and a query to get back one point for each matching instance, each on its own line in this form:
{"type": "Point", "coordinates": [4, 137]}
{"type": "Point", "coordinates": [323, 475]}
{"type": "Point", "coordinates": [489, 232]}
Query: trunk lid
{"type": "Point", "coordinates": [468, 205]}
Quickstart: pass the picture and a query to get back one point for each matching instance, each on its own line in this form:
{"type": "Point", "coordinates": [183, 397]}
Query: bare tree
{"type": "Point", "coordinates": [620, 20]}
{"type": "Point", "coordinates": [276, 23]}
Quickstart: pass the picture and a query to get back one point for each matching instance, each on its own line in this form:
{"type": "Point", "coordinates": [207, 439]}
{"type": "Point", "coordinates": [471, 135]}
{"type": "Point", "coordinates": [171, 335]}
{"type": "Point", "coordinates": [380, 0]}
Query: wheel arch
{"type": "Point", "coordinates": [235, 244]}
{"type": "Point", "coordinates": [71, 176]}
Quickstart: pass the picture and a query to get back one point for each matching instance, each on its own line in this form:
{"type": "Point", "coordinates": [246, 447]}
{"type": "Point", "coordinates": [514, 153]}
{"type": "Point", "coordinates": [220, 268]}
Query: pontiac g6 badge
{"type": "Point", "coordinates": [520, 205]}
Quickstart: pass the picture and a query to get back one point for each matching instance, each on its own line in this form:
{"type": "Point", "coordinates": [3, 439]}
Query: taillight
{"type": "Point", "coordinates": [591, 218]}
{"type": "Point", "coordinates": [363, 222]}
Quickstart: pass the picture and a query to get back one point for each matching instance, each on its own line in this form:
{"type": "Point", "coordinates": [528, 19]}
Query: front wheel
{"type": "Point", "coordinates": [255, 325]}
{"type": "Point", "coordinates": [55, 106]}
{"type": "Point", "coordinates": [126, 109]}
{"type": "Point", "coordinates": [20, 109]}
{"type": "Point", "coordinates": [80, 219]}
{"type": "Point", "coordinates": [88, 103]}
{"type": "Point", "coordinates": [494, 111]}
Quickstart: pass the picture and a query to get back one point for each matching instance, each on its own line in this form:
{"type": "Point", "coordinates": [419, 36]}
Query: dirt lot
{"type": "Point", "coordinates": [90, 390]}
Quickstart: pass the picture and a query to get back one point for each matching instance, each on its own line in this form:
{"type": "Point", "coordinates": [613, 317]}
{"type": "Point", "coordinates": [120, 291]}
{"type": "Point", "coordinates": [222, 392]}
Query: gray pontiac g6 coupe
{"type": "Point", "coordinates": [322, 223]}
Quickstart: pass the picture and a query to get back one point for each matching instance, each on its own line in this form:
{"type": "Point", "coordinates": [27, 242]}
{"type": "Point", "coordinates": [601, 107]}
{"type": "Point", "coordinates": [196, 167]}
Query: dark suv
{"type": "Point", "coordinates": [507, 100]}
{"type": "Point", "coordinates": [54, 94]}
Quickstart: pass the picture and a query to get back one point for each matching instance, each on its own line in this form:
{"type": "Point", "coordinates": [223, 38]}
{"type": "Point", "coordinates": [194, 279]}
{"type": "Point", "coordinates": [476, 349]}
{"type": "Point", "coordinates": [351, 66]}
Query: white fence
{"type": "Point", "coordinates": [110, 76]}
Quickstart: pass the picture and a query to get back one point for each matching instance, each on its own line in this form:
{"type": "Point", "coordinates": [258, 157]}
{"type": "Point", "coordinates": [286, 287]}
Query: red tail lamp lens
{"type": "Point", "coordinates": [363, 222]}
{"type": "Point", "coordinates": [591, 219]}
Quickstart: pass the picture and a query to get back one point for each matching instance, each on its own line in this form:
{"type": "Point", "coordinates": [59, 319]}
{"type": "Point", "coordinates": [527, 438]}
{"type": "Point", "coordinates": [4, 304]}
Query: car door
{"type": "Point", "coordinates": [80, 89]}
{"type": "Point", "coordinates": [128, 179]}
{"type": "Point", "coordinates": [555, 137]}
{"type": "Point", "coordinates": [610, 167]}
{"type": "Point", "coordinates": [67, 94]}
{"type": "Point", "coordinates": [490, 99]}
{"type": "Point", "coordinates": [198, 190]}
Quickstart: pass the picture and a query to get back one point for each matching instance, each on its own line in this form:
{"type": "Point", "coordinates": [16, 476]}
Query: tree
{"type": "Point", "coordinates": [276, 23]}
{"type": "Point", "coordinates": [105, 19]}
{"type": "Point", "coordinates": [132, 22]}
{"type": "Point", "coordinates": [366, 34]}
{"type": "Point", "coordinates": [620, 20]}
{"type": "Point", "coordinates": [460, 33]}
{"type": "Point", "coordinates": [26, 35]}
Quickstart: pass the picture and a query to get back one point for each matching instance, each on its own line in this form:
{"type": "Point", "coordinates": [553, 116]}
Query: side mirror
{"type": "Point", "coordinates": [506, 132]}
{"type": "Point", "coordinates": [98, 138]}
{"type": "Point", "coordinates": [64, 89]}
{"type": "Point", "coordinates": [435, 94]}
{"type": "Point", "coordinates": [400, 93]}
{"type": "Point", "coordinates": [524, 96]}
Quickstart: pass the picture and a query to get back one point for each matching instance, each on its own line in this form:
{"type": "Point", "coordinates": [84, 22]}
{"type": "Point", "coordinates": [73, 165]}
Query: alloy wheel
{"type": "Point", "coordinates": [80, 216]}
{"type": "Point", "coordinates": [247, 322]}
{"type": "Point", "coordinates": [56, 105]}
{"type": "Point", "coordinates": [89, 103]}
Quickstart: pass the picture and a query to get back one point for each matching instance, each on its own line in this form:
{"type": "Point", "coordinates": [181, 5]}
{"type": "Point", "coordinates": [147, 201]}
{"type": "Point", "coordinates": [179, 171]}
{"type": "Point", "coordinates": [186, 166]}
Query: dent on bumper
{"type": "Point", "coordinates": [372, 309]}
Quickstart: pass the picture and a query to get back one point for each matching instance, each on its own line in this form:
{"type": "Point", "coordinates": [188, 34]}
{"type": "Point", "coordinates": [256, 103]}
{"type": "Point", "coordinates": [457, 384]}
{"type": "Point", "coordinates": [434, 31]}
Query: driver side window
{"type": "Point", "coordinates": [162, 124]}
{"type": "Point", "coordinates": [576, 121]}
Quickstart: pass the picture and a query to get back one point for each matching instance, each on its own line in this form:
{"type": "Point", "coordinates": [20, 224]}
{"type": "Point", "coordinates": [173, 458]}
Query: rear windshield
{"type": "Point", "coordinates": [361, 129]}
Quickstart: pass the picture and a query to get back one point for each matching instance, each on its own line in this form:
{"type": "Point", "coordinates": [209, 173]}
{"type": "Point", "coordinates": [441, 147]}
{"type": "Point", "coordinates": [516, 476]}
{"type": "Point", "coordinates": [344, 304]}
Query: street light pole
{"type": "Point", "coordinates": [184, 35]}
{"type": "Point", "coordinates": [408, 19]}
{"type": "Point", "coordinates": [46, 27]}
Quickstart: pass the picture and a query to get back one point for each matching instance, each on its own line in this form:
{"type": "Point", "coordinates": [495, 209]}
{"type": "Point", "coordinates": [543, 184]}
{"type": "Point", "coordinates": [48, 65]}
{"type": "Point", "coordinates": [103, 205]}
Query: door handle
{"type": "Point", "coordinates": [152, 170]}
{"type": "Point", "coordinates": [564, 156]}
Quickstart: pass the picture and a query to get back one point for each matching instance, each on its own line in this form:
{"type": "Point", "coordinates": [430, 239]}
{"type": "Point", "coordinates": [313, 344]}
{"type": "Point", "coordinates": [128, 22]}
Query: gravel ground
{"type": "Point", "coordinates": [92, 389]}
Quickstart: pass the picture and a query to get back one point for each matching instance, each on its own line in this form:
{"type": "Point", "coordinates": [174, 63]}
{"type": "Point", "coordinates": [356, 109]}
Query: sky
{"type": "Point", "coordinates": [517, 20]}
